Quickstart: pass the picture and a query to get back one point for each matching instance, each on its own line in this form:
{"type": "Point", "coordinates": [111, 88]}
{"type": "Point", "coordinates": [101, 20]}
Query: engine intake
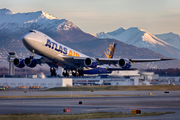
{"type": "Point", "coordinates": [90, 62]}
{"type": "Point", "coordinates": [18, 63]}
{"type": "Point", "coordinates": [30, 62]}
{"type": "Point", "coordinates": [125, 63]}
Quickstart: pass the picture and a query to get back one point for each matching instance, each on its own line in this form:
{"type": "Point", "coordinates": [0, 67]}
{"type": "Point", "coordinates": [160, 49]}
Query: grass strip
{"type": "Point", "coordinates": [93, 115]}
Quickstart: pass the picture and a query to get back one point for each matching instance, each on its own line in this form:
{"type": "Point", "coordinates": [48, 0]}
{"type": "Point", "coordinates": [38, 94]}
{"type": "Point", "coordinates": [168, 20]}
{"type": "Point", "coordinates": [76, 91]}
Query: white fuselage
{"type": "Point", "coordinates": [43, 45]}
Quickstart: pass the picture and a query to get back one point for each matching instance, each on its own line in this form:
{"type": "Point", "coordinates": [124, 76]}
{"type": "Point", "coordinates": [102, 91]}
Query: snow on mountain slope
{"type": "Point", "coordinates": [17, 24]}
{"type": "Point", "coordinates": [134, 36]}
{"type": "Point", "coordinates": [142, 39]}
{"type": "Point", "coordinates": [37, 20]}
{"type": "Point", "coordinates": [170, 38]}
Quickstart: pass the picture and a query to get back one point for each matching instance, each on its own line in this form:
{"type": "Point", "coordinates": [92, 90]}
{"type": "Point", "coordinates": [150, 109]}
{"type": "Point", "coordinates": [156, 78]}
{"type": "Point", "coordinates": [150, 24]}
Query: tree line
{"type": "Point", "coordinates": [166, 72]}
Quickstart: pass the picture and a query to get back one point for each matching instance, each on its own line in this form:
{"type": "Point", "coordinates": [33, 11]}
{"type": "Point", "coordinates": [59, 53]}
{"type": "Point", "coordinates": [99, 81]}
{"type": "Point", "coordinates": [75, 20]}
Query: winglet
{"type": "Point", "coordinates": [109, 52]}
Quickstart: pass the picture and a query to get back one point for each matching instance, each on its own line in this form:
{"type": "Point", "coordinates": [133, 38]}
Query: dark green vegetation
{"type": "Point", "coordinates": [166, 72]}
{"type": "Point", "coordinates": [76, 116]}
{"type": "Point", "coordinates": [118, 88]}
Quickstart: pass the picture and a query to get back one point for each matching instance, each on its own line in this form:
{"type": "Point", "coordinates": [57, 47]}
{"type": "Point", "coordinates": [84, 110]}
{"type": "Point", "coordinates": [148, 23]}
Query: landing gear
{"type": "Point", "coordinates": [76, 73]}
{"type": "Point", "coordinates": [53, 71]}
{"type": "Point", "coordinates": [80, 71]}
{"type": "Point", "coordinates": [66, 74]}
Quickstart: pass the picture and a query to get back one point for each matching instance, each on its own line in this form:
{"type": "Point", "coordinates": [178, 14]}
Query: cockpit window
{"type": "Point", "coordinates": [32, 31]}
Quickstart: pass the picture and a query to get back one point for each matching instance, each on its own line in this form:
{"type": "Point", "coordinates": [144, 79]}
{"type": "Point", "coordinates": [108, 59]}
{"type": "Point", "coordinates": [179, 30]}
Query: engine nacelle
{"type": "Point", "coordinates": [90, 62]}
{"type": "Point", "coordinates": [125, 63]}
{"type": "Point", "coordinates": [18, 62]}
{"type": "Point", "coordinates": [30, 62]}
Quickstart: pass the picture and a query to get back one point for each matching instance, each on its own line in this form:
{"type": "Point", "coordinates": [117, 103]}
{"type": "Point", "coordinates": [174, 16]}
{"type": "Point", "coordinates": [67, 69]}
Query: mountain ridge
{"type": "Point", "coordinates": [63, 31]}
{"type": "Point", "coordinates": [142, 39]}
{"type": "Point", "coordinates": [170, 38]}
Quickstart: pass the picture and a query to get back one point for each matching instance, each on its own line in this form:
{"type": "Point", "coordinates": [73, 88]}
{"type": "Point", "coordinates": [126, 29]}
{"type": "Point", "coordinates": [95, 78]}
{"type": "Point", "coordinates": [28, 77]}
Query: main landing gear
{"type": "Point", "coordinates": [53, 71]}
{"type": "Point", "coordinates": [66, 74]}
{"type": "Point", "coordinates": [76, 73]}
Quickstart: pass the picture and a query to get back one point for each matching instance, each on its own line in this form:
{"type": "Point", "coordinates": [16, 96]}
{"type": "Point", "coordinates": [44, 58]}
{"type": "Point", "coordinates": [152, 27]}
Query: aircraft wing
{"type": "Point", "coordinates": [149, 60]}
{"type": "Point", "coordinates": [114, 61]}
{"type": "Point", "coordinates": [76, 62]}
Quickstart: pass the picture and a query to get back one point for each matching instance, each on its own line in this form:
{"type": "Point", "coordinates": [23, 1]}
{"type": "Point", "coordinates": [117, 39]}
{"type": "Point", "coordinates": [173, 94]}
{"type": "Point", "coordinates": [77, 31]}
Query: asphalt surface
{"type": "Point", "coordinates": [157, 102]}
{"type": "Point", "coordinates": [43, 93]}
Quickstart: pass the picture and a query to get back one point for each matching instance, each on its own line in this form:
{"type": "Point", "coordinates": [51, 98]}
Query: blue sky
{"type": "Point", "coordinates": [154, 16]}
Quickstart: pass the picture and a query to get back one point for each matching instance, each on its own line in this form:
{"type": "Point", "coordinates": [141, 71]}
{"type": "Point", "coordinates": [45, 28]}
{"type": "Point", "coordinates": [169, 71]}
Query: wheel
{"type": "Point", "coordinates": [77, 74]}
{"type": "Point", "coordinates": [54, 72]}
{"type": "Point", "coordinates": [64, 74]}
{"type": "Point", "coordinates": [74, 74]}
{"type": "Point", "coordinates": [67, 74]}
{"type": "Point", "coordinates": [82, 74]}
{"type": "Point", "coordinates": [51, 74]}
{"type": "Point", "coordinates": [51, 71]}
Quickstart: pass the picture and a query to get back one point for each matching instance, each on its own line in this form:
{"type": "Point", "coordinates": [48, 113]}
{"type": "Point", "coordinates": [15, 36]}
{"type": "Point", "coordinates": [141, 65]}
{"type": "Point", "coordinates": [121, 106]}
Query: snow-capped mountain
{"type": "Point", "coordinates": [134, 36]}
{"type": "Point", "coordinates": [142, 39]}
{"type": "Point", "coordinates": [14, 25]}
{"type": "Point", "coordinates": [20, 23]}
{"type": "Point", "coordinates": [170, 38]}
{"type": "Point", "coordinates": [38, 20]}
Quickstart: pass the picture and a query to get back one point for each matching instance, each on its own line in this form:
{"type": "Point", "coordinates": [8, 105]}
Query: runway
{"type": "Point", "coordinates": [156, 103]}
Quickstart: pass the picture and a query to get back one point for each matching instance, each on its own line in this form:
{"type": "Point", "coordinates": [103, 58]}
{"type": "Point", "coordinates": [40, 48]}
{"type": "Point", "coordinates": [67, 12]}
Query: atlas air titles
{"type": "Point", "coordinates": [61, 49]}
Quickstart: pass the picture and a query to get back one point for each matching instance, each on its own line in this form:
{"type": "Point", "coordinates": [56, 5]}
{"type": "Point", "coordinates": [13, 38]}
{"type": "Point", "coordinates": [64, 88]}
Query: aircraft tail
{"type": "Point", "coordinates": [109, 52]}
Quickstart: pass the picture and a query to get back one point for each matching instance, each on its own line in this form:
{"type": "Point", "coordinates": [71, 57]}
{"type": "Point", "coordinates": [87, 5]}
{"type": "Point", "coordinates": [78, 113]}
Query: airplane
{"type": "Point", "coordinates": [56, 54]}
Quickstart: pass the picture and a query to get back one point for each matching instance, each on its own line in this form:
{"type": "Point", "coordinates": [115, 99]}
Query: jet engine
{"type": "Point", "coordinates": [125, 63]}
{"type": "Point", "coordinates": [90, 62]}
{"type": "Point", "coordinates": [18, 63]}
{"type": "Point", "coordinates": [30, 62]}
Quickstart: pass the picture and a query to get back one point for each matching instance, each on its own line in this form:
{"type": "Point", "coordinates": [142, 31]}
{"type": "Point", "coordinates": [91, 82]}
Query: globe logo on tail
{"type": "Point", "coordinates": [110, 51]}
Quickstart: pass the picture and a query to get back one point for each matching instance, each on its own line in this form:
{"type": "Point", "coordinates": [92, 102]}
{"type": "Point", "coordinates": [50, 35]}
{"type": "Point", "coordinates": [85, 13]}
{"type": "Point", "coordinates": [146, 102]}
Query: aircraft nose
{"type": "Point", "coordinates": [28, 41]}
{"type": "Point", "coordinates": [28, 37]}
{"type": "Point", "coordinates": [24, 38]}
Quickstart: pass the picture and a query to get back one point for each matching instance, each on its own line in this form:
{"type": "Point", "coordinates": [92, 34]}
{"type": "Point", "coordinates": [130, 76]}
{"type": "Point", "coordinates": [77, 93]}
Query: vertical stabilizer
{"type": "Point", "coordinates": [109, 52]}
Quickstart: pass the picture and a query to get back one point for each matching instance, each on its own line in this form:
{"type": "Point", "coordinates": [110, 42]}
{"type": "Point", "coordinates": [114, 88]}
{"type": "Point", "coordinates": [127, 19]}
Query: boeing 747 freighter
{"type": "Point", "coordinates": [56, 54]}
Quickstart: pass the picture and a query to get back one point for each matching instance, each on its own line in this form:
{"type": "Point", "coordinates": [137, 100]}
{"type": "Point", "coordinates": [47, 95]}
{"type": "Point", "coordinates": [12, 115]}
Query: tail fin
{"type": "Point", "coordinates": [109, 52]}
